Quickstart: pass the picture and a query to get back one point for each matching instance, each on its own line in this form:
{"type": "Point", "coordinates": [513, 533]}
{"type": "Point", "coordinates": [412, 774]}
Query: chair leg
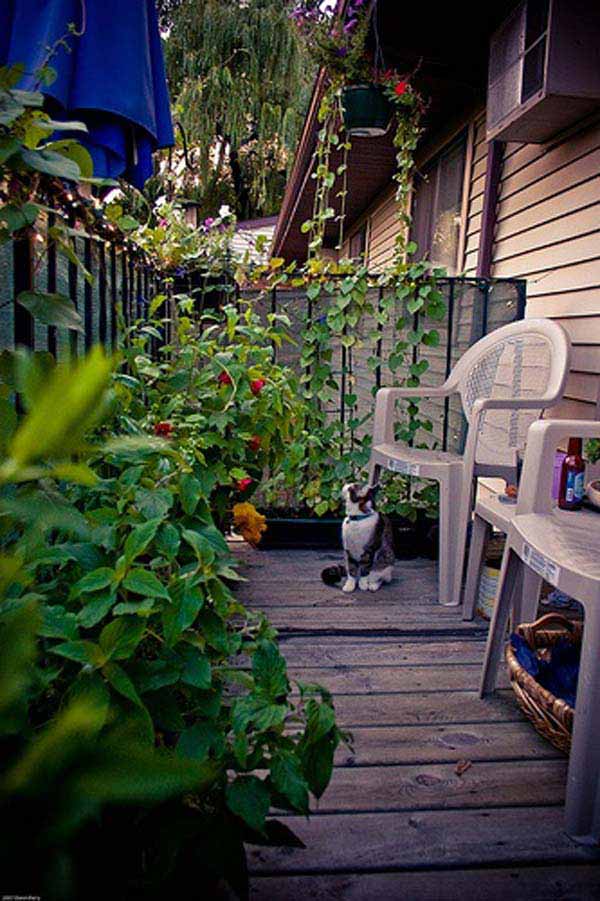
{"type": "Point", "coordinates": [582, 807]}
{"type": "Point", "coordinates": [526, 607]}
{"type": "Point", "coordinates": [479, 539]}
{"type": "Point", "coordinates": [509, 587]}
{"type": "Point", "coordinates": [449, 497]}
{"type": "Point", "coordinates": [463, 508]}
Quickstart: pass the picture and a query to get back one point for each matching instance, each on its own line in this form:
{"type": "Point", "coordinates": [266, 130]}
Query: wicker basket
{"type": "Point", "coordinates": [551, 716]}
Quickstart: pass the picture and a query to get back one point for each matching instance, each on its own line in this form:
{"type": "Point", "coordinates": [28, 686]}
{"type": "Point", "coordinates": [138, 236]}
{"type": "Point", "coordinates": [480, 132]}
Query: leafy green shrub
{"type": "Point", "coordinates": [116, 546]}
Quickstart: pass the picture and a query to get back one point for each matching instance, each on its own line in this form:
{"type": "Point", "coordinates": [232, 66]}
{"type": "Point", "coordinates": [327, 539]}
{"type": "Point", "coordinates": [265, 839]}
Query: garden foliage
{"type": "Point", "coordinates": [141, 692]}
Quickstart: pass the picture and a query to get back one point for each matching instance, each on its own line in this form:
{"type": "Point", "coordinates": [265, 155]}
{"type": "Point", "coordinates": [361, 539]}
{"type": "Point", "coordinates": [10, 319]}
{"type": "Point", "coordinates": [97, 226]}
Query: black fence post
{"type": "Point", "coordinates": [102, 315]}
{"type": "Point", "coordinates": [88, 308]}
{"type": "Point", "coordinates": [73, 339]}
{"type": "Point", "coordinates": [24, 330]}
{"type": "Point", "coordinates": [450, 326]}
{"type": "Point", "coordinates": [379, 344]}
{"type": "Point", "coordinates": [51, 284]}
{"type": "Point", "coordinates": [113, 296]}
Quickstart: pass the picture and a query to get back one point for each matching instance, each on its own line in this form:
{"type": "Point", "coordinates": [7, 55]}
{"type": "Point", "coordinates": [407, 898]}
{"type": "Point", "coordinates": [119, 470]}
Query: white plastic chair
{"type": "Point", "coordinates": [505, 381]}
{"type": "Point", "coordinates": [563, 547]}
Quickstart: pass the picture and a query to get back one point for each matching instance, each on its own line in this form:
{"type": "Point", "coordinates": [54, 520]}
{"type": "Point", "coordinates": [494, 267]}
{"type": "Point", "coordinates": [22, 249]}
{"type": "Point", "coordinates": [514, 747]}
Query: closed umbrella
{"type": "Point", "coordinates": [110, 74]}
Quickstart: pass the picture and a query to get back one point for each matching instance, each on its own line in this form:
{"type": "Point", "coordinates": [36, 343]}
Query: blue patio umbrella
{"type": "Point", "coordinates": [113, 78]}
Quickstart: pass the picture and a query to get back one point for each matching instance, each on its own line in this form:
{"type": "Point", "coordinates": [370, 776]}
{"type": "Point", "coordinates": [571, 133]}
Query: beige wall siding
{"type": "Point", "coordinates": [475, 204]}
{"type": "Point", "coordinates": [548, 232]}
{"type": "Point", "coordinates": [382, 234]}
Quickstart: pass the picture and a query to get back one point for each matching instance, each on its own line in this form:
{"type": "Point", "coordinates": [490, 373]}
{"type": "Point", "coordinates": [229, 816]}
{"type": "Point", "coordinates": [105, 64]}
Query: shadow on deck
{"type": "Point", "coordinates": [401, 818]}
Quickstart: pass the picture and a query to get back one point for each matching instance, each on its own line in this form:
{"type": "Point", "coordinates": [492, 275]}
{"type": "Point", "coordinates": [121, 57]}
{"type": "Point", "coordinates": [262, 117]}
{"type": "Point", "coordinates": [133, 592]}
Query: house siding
{"type": "Point", "coordinates": [547, 232]}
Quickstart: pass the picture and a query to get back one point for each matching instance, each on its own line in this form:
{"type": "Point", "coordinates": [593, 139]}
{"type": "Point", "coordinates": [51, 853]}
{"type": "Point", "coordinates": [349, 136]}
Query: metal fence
{"type": "Point", "coordinates": [474, 307]}
{"type": "Point", "coordinates": [123, 285]}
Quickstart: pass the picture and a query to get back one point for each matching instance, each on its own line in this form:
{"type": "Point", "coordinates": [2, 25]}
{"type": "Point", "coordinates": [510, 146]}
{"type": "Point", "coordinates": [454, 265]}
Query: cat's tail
{"type": "Point", "coordinates": [331, 575]}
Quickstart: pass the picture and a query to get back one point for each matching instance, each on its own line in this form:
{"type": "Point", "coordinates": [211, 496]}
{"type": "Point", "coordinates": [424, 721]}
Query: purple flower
{"type": "Point", "coordinates": [350, 26]}
{"type": "Point", "coordinates": [208, 222]}
{"type": "Point", "coordinates": [342, 51]}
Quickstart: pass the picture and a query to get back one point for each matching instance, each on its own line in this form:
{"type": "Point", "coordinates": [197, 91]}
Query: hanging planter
{"type": "Point", "coordinates": [367, 111]}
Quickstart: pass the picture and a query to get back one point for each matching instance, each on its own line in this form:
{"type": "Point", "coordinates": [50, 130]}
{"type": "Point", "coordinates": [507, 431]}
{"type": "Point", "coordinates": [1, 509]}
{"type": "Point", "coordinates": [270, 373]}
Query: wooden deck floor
{"type": "Point", "coordinates": [400, 819]}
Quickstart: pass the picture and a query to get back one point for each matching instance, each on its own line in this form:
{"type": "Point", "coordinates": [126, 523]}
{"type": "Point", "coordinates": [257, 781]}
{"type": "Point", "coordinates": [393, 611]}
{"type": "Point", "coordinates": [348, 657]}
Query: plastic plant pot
{"type": "Point", "coordinates": [367, 111]}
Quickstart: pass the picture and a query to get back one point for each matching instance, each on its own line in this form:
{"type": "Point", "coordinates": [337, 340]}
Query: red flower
{"type": "Point", "coordinates": [257, 385]}
{"type": "Point", "coordinates": [163, 429]}
{"type": "Point", "coordinates": [254, 443]}
{"type": "Point", "coordinates": [243, 484]}
{"type": "Point", "coordinates": [401, 88]}
{"type": "Point", "coordinates": [224, 378]}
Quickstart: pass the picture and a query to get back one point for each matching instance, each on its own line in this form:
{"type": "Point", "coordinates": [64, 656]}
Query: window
{"type": "Point", "coordinates": [358, 244]}
{"type": "Point", "coordinates": [437, 205]}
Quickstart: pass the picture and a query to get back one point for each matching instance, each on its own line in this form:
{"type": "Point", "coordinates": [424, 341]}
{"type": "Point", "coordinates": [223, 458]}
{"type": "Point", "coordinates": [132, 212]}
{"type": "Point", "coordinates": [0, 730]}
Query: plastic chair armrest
{"type": "Point", "coordinates": [535, 490]}
{"type": "Point", "coordinates": [383, 428]}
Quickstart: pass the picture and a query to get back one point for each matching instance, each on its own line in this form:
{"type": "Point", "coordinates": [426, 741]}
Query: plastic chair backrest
{"type": "Point", "coordinates": [528, 358]}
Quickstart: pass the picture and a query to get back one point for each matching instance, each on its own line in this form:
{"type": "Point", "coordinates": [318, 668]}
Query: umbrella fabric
{"type": "Point", "coordinates": [113, 79]}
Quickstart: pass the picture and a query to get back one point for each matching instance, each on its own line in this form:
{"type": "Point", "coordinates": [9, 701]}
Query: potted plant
{"type": "Point", "coordinates": [338, 44]}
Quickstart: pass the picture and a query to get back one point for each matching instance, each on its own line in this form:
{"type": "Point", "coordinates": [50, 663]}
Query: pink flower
{"type": "Point", "coordinates": [401, 88]}
{"type": "Point", "coordinates": [224, 378]}
{"type": "Point", "coordinates": [208, 222]}
{"type": "Point", "coordinates": [243, 484]}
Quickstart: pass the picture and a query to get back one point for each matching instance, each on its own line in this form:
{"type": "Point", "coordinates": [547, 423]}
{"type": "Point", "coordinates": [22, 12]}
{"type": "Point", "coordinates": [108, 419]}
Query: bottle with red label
{"type": "Point", "coordinates": [572, 477]}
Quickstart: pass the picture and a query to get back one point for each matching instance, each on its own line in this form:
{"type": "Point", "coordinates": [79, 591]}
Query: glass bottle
{"type": "Point", "coordinates": [572, 477]}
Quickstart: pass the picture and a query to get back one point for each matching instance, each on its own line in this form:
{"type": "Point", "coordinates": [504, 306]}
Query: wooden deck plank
{"type": "Point", "coordinates": [398, 821]}
{"type": "Point", "coordinates": [427, 707]}
{"type": "Point", "coordinates": [302, 651]}
{"type": "Point", "coordinates": [388, 620]}
{"type": "Point", "coordinates": [565, 883]}
{"type": "Point", "coordinates": [350, 679]}
{"type": "Point", "coordinates": [438, 786]}
{"type": "Point", "coordinates": [451, 742]}
{"type": "Point", "coordinates": [371, 842]}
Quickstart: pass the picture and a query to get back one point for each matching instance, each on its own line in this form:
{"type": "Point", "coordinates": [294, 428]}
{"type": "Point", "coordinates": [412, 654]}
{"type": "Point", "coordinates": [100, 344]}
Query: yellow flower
{"type": "Point", "coordinates": [249, 523]}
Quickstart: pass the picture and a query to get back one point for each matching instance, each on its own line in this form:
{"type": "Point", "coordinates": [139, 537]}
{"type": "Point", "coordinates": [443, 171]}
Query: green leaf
{"type": "Point", "coordinates": [167, 540]}
{"type": "Point", "coordinates": [288, 779]}
{"type": "Point", "coordinates": [249, 799]}
{"type": "Point", "coordinates": [197, 742]}
{"type": "Point", "coordinates": [201, 545]}
{"type": "Point", "coordinates": [85, 652]}
{"type": "Point", "coordinates": [197, 670]}
{"type": "Point", "coordinates": [52, 309]}
{"type": "Point", "coordinates": [320, 719]}
{"type": "Point", "coordinates": [58, 623]}
{"type": "Point", "coordinates": [71, 403]}
{"type": "Point", "coordinates": [141, 581]}
{"type": "Point", "coordinates": [139, 538]}
{"type": "Point", "coordinates": [121, 682]}
{"type": "Point", "coordinates": [51, 163]}
{"type": "Point", "coordinates": [95, 610]}
{"type": "Point", "coordinates": [269, 670]}
{"type": "Point", "coordinates": [190, 492]}
{"type": "Point", "coordinates": [94, 581]}
{"type": "Point", "coordinates": [76, 153]}
{"type": "Point", "coordinates": [120, 638]}
{"type": "Point", "coordinates": [18, 216]}
{"type": "Point", "coordinates": [155, 503]}
{"type": "Point", "coordinates": [317, 762]}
